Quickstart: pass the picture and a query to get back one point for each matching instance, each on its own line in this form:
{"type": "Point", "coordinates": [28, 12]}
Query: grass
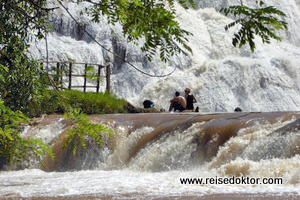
{"type": "Point", "coordinates": [90, 103]}
{"type": "Point", "coordinates": [96, 103]}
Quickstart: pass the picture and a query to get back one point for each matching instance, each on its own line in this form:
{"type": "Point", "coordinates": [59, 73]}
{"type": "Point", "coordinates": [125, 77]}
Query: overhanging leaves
{"type": "Point", "coordinates": [262, 21]}
{"type": "Point", "coordinates": [82, 130]}
{"type": "Point", "coordinates": [149, 20]}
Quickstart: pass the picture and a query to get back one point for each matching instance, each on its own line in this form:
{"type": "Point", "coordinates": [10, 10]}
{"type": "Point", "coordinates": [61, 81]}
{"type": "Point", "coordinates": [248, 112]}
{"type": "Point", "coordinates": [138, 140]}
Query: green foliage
{"type": "Point", "coordinates": [18, 17]}
{"type": "Point", "coordinates": [82, 131]}
{"type": "Point", "coordinates": [10, 119]}
{"type": "Point", "coordinates": [89, 103]}
{"type": "Point", "coordinates": [23, 78]}
{"type": "Point", "coordinates": [95, 103]}
{"type": "Point", "coordinates": [3, 70]}
{"type": "Point", "coordinates": [21, 74]}
{"type": "Point", "coordinates": [91, 74]}
{"type": "Point", "coordinates": [150, 23]}
{"type": "Point", "coordinates": [12, 146]}
{"type": "Point", "coordinates": [260, 21]}
{"type": "Point", "coordinates": [151, 20]}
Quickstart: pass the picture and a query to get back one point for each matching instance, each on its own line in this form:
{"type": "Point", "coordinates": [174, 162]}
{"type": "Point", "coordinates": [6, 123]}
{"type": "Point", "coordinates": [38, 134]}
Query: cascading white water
{"type": "Point", "coordinates": [221, 76]}
{"type": "Point", "coordinates": [258, 150]}
{"type": "Point", "coordinates": [169, 152]}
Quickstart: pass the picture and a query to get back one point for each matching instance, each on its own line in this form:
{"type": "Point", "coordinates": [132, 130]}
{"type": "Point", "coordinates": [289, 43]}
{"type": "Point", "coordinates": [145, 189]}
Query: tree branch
{"type": "Point", "coordinates": [139, 70]}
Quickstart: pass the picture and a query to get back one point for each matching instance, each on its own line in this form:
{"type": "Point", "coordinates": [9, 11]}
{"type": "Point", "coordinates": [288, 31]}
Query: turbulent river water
{"type": "Point", "coordinates": [150, 154]}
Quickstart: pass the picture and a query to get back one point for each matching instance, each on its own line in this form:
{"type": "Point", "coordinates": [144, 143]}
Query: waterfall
{"type": "Point", "coordinates": [220, 76]}
{"type": "Point", "coordinates": [164, 142]}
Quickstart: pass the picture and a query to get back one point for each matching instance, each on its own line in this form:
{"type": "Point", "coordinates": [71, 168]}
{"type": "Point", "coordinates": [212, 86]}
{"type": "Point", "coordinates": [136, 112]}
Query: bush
{"type": "Point", "coordinates": [13, 148]}
{"type": "Point", "coordinates": [89, 103]}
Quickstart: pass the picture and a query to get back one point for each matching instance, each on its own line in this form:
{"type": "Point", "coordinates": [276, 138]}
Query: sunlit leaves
{"type": "Point", "coordinates": [19, 76]}
{"type": "Point", "coordinates": [187, 3]}
{"type": "Point", "coordinates": [3, 70]}
{"type": "Point", "coordinates": [262, 21]}
{"type": "Point", "coordinates": [12, 146]}
{"type": "Point", "coordinates": [82, 131]}
{"type": "Point", "coordinates": [147, 22]}
{"type": "Point", "coordinates": [91, 74]}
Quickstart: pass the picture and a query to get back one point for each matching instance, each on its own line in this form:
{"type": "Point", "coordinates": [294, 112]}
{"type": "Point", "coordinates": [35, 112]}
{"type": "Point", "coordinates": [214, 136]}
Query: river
{"type": "Point", "coordinates": [150, 155]}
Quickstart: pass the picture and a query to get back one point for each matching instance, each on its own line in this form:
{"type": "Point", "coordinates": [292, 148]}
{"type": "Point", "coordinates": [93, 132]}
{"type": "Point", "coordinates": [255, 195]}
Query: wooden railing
{"type": "Point", "coordinates": [63, 71]}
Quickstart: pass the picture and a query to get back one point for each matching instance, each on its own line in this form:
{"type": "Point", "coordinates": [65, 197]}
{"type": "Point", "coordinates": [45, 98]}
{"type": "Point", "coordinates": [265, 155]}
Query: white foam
{"type": "Point", "coordinates": [32, 183]}
{"type": "Point", "coordinates": [221, 76]}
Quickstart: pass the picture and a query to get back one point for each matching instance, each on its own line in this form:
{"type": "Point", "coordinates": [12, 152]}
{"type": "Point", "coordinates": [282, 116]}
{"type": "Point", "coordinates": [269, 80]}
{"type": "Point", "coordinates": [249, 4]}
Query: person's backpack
{"type": "Point", "coordinates": [148, 104]}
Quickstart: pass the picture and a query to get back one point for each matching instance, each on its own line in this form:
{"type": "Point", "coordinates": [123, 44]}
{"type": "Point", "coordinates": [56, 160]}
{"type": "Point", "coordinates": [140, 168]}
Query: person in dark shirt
{"type": "Point", "coordinates": [190, 99]}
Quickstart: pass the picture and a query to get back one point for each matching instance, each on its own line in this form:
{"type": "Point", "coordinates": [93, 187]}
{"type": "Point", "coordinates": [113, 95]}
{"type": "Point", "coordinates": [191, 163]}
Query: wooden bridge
{"type": "Point", "coordinates": [62, 72]}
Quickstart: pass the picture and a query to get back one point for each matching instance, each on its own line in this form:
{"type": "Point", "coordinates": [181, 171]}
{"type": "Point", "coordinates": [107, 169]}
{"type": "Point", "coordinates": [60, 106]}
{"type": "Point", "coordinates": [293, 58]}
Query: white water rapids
{"type": "Point", "coordinates": [262, 149]}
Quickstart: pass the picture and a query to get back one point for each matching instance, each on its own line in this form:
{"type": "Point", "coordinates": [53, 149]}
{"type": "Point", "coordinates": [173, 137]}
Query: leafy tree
{"type": "Point", "coordinates": [18, 17]}
{"type": "Point", "coordinates": [151, 21]}
{"type": "Point", "coordinates": [20, 77]}
{"type": "Point", "coordinates": [154, 21]}
{"type": "Point", "coordinates": [22, 74]}
{"type": "Point", "coordinates": [23, 78]}
{"type": "Point", "coordinates": [12, 146]}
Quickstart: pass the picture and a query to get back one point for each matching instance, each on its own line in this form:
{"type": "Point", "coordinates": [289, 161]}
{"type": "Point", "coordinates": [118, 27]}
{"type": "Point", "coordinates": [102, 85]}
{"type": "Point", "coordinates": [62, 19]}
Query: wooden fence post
{"type": "Point", "coordinates": [84, 83]}
{"type": "Point", "coordinates": [61, 71]}
{"type": "Point", "coordinates": [70, 76]}
{"type": "Point", "coordinates": [108, 78]}
{"type": "Point", "coordinates": [98, 78]}
{"type": "Point", "coordinates": [57, 72]}
{"type": "Point", "coordinates": [61, 75]}
{"type": "Point", "coordinates": [42, 68]}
